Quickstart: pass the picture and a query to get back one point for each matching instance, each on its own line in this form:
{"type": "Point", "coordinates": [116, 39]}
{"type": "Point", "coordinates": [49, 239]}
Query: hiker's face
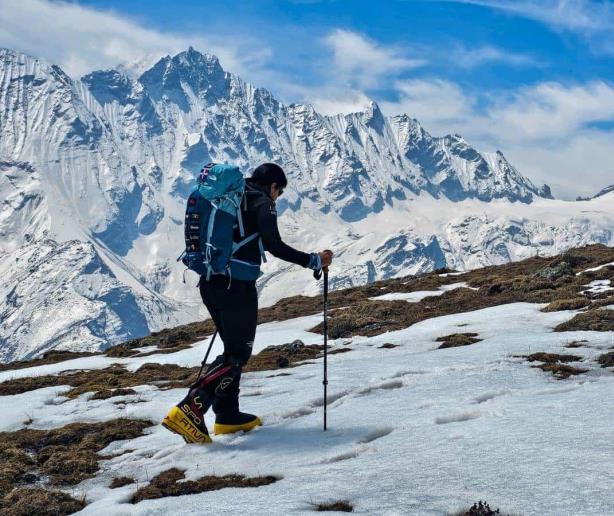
{"type": "Point", "coordinates": [276, 191]}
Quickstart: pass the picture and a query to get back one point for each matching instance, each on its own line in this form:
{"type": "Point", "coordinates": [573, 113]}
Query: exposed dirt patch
{"type": "Point", "coordinates": [287, 355]}
{"type": "Point", "coordinates": [556, 364]}
{"type": "Point", "coordinates": [279, 357]}
{"type": "Point", "coordinates": [388, 345]}
{"type": "Point", "coordinates": [552, 358]}
{"type": "Point", "coordinates": [121, 482]}
{"type": "Point", "coordinates": [51, 357]}
{"type": "Point", "coordinates": [339, 506]}
{"type": "Point", "coordinates": [458, 339]}
{"type": "Point", "coordinates": [111, 393]}
{"type": "Point", "coordinates": [65, 456]}
{"type": "Point", "coordinates": [574, 303]}
{"type": "Point", "coordinates": [606, 359]}
{"type": "Point", "coordinates": [112, 381]}
{"type": "Point", "coordinates": [40, 502]}
{"type": "Point", "coordinates": [593, 320]}
{"type": "Point", "coordinates": [576, 344]}
{"type": "Point", "coordinates": [561, 371]}
{"type": "Point", "coordinates": [171, 483]}
{"type": "Point", "coordinates": [607, 301]}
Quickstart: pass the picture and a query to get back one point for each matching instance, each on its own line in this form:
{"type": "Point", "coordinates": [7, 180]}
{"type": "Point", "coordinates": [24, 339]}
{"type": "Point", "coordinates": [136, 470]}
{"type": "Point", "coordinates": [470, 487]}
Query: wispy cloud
{"type": "Point", "coordinates": [81, 39]}
{"type": "Point", "coordinates": [359, 60]}
{"type": "Point", "coordinates": [593, 20]}
{"type": "Point", "coordinates": [488, 54]}
{"type": "Point", "coordinates": [439, 104]}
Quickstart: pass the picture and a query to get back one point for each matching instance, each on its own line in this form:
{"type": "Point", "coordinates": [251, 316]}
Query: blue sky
{"type": "Point", "coordinates": [532, 78]}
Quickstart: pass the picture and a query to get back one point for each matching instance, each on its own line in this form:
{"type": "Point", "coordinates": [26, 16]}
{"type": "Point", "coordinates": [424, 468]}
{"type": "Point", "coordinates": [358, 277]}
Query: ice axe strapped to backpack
{"type": "Point", "coordinates": [212, 214]}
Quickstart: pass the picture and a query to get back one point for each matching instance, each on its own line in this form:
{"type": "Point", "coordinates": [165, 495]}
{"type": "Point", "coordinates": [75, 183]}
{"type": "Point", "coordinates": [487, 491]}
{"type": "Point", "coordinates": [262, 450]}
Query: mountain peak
{"type": "Point", "coordinates": [202, 73]}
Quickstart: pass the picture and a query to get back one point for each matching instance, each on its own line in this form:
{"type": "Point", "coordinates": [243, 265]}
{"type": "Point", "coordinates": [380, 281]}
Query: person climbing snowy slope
{"type": "Point", "coordinates": [232, 300]}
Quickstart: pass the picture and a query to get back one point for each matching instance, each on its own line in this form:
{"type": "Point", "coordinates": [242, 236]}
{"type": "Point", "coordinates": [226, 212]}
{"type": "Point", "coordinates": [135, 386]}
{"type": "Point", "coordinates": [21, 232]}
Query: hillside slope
{"type": "Point", "coordinates": [445, 389]}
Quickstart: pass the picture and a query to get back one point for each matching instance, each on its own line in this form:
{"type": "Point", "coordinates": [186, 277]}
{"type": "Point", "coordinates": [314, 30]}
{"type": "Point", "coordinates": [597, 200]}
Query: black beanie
{"type": "Point", "coordinates": [269, 173]}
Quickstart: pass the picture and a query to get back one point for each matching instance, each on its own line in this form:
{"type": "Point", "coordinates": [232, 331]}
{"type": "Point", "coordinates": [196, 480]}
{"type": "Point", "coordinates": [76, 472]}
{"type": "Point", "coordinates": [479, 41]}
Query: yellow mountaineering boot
{"type": "Point", "coordinates": [188, 423]}
{"type": "Point", "coordinates": [229, 424]}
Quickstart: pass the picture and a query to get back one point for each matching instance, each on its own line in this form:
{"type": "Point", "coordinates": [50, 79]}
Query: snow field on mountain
{"type": "Point", "coordinates": [106, 163]}
{"type": "Point", "coordinates": [412, 430]}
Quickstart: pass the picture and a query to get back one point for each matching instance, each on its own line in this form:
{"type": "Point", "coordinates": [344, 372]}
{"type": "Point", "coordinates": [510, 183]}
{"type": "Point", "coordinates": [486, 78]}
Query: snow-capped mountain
{"type": "Point", "coordinates": [95, 173]}
{"type": "Point", "coordinates": [603, 191]}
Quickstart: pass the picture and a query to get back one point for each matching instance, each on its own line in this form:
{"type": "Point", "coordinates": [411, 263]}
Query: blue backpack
{"type": "Point", "coordinates": [212, 214]}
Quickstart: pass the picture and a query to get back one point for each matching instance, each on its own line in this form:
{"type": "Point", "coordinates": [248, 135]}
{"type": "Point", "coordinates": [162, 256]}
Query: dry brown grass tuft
{"type": "Point", "coordinates": [556, 364]}
{"type": "Point", "coordinates": [574, 303]}
{"type": "Point", "coordinates": [593, 320]}
{"type": "Point", "coordinates": [551, 358]}
{"type": "Point", "coordinates": [458, 339]}
{"type": "Point", "coordinates": [171, 483]}
{"type": "Point", "coordinates": [606, 359]}
{"type": "Point", "coordinates": [576, 344]}
{"type": "Point", "coordinates": [40, 502]}
{"type": "Point", "coordinates": [287, 355]}
{"type": "Point", "coordinates": [388, 345]}
{"type": "Point", "coordinates": [338, 506]}
{"type": "Point", "coordinates": [121, 482]}
{"type": "Point", "coordinates": [279, 357]}
{"type": "Point", "coordinates": [66, 455]}
{"type": "Point", "coordinates": [112, 393]}
{"type": "Point", "coordinates": [560, 371]}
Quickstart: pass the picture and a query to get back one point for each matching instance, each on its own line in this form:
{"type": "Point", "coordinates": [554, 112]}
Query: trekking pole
{"type": "Point", "coordinates": [325, 381]}
{"type": "Point", "coordinates": [204, 362]}
{"type": "Point", "coordinates": [317, 275]}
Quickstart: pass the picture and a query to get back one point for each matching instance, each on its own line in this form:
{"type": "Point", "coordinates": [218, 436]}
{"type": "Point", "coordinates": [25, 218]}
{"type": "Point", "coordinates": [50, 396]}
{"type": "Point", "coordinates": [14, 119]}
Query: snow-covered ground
{"type": "Point", "coordinates": [412, 429]}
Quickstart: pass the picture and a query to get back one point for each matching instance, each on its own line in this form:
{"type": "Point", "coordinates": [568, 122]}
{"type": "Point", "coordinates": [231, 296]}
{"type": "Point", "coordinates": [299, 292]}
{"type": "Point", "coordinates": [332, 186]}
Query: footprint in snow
{"type": "Point", "coordinates": [378, 433]}
{"type": "Point", "coordinates": [457, 418]}
{"type": "Point", "coordinates": [350, 454]}
{"type": "Point", "coordinates": [489, 395]}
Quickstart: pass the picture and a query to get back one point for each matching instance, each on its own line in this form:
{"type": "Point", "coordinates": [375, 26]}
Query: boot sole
{"type": "Point", "coordinates": [231, 429]}
{"type": "Point", "coordinates": [177, 422]}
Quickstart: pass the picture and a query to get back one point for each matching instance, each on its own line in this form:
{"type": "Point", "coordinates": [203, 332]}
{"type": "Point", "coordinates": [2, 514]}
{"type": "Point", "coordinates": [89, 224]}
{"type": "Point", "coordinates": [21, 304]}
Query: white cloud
{"type": "Point", "coordinates": [361, 61]}
{"type": "Point", "coordinates": [486, 54]}
{"type": "Point", "coordinates": [551, 111]}
{"type": "Point", "coordinates": [580, 166]}
{"type": "Point", "coordinates": [439, 105]}
{"type": "Point", "coordinates": [81, 39]}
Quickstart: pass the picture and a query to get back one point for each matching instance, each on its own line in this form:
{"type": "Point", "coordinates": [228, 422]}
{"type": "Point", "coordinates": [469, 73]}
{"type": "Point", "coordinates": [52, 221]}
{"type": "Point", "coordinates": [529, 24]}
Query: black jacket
{"type": "Point", "coordinates": [260, 216]}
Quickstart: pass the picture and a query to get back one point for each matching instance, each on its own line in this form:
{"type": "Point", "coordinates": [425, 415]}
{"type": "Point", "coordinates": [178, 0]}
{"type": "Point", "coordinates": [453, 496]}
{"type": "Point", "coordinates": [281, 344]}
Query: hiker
{"type": "Point", "coordinates": [232, 302]}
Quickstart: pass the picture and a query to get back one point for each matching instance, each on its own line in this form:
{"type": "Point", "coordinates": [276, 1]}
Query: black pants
{"type": "Point", "coordinates": [234, 311]}
{"type": "Point", "coordinates": [235, 314]}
